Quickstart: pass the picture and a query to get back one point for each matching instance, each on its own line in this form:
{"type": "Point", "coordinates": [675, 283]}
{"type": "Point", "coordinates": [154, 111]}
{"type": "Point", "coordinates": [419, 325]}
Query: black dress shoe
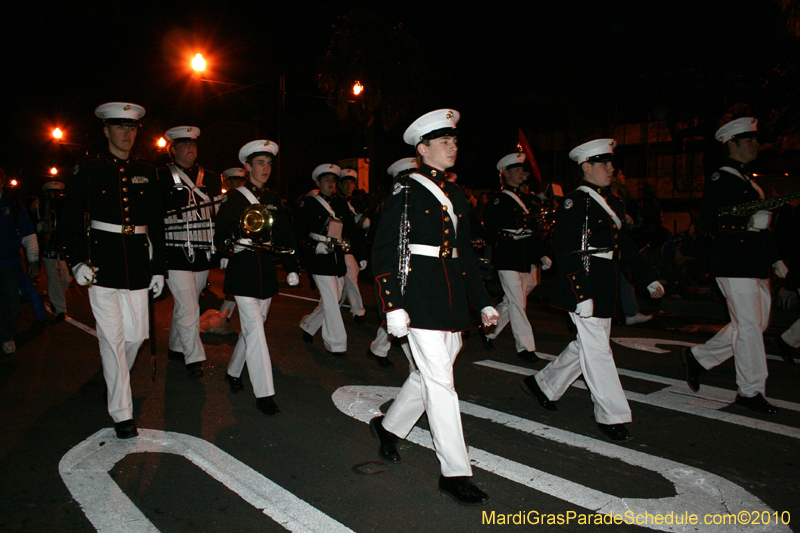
{"type": "Point", "coordinates": [359, 319]}
{"type": "Point", "coordinates": [126, 429]}
{"type": "Point", "coordinates": [60, 317]}
{"type": "Point", "coordinates": [462, 490]}
{"type": "Point", "coordinates": [307, 337]}
{"type": "Point", "coordinates": [528, 356]}
{"type": "Point", "coordinates": [195, 370]}
{"type": "Point", "coordinates": [617, 432]}
{"type": "Point", "coordinates": [381, 361]}
{"type": "Point", "coordinates": [488, 344]}
{"type": "Point", "coordinates": [784, 350]}
{"type": "Point", "coordinates": [172, 355]}
{"type": "Point", "coordinates": [388, 441]}
{"type": "Point", "coordinates": [693, 369]}
{"type": "Point", "coordinates": [267, 405]}
{"type": "Point", "coordinates": [337, 354]}
{"type": "Point", "coordinates": [237, 385]}
{"type": "Point", "coordinates": [757, 403]}
{"type": "Point", "coordinates": [530, 386]}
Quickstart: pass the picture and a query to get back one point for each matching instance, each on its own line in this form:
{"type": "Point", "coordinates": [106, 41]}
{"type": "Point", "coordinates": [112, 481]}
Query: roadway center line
{"type": "Point", "coordinates": [677, 396]}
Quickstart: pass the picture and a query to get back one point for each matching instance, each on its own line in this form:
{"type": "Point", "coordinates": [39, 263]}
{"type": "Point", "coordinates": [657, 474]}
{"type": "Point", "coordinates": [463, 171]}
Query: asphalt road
{"type": "Point", "coordinates": [207, 460]}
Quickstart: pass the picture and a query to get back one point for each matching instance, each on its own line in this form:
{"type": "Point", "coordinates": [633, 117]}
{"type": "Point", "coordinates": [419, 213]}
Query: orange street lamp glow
{"type": "Point", "coordinates": [161, 142]}
{"type": "Point", "coordinates": [54, 171]}
{"type": "Point", "coordinates": [198, 63]}
{"type": "Point", "coordinates": [13, 183]}
{"type": "Point", "coordinates": [57, 133]}
{"type": "Point", "coordinates": [357, 88]}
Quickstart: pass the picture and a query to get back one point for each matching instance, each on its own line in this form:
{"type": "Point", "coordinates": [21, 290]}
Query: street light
{"type": "Point", "coordinates": [57, 134]}
{"type": "Point", "coordinates": [198, 63]}
{"type": "Point", "coordinates": [357, 88]}
{"type": "Point", "coordinates": [162, 143]}
{"type": "Point", "coordinates": [53, 171]}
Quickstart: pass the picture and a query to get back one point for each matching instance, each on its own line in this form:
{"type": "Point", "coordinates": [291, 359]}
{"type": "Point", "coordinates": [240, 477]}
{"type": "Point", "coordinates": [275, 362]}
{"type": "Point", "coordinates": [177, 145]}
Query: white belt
{"type": "Point", "coordinates": [433, 251]}
{"type": "Point", "coordinates": [125, 229]}
{"type": "Point", "coordinates": [322, 238]}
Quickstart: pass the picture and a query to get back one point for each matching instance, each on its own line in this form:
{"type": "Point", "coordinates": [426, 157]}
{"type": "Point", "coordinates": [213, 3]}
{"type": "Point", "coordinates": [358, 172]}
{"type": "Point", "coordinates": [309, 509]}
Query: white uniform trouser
{"type": "Point", "coordinates": [252, 346]}
{"type": "Point", "coordinates": [184, 333]}
{"type": "Point", "coordinates": [516, 288]}
{"type": "Point", "coordinates": [792, 335]}
{"type": "Point", "coordinates": [58, 280]}
{"type": "Point", "coordinates": [749, 301]}
{"type": "Point", "coordinates": [122, 326]}
{"type": "Point", "coordinates": [351, 291]}
{"type": "Point", "coordinates": [430, 389]}
{"type": "Point", "coordinates": [327, 314]}
{"type": "Point", "coordinates": [589, 354]}
{"type": "Point", "coordinates": [383, 343]}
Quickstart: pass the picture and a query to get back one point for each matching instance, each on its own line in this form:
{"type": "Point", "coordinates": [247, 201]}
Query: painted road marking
{"type": "Point", "coordinates": [68, 320]}
{"type": "Point", "coordinates": [649, 345]}
{"type": "Point", "coordinates": [696, 491]}
{"type": "Point", "coordinates": [85, 468]}
{"type": "Point", "coordinates": [677, 396]}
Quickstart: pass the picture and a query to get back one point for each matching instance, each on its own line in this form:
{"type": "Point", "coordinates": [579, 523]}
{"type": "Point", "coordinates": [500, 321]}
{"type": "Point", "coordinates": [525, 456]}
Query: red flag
{"type": "Point", "coordinates": [525, 148]}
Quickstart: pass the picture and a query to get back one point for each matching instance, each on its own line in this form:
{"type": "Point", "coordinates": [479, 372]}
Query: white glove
{"type": "Point", "coordinates": [656, 289]}
{"type": "Point", "coordinates": [322, 249]}
{"type": "Point", "coordinates": [293, 279]}
{"type": "Point", "coordinates": [83, 273]}
{"type": "Point", "coordinates": [522, 234]}
{"type": "Point", "coordinates": [489, 316]}
{"type": "Point", "coordinates": [362, 264]}
{"type": "Point", "coordinates": [761, 219]}
{"type": "Point", "coordinates": [223, 263]}
{"type": "Point", "coordinates": [780, 267]}
{"type": "Point", "coordinates": [365, 223]}
{"type": "Point", "coordinates": [397, 322]}
{"type": "Point", "coordinates": [585, 309]}
{"type": "Point", "coordinates": [546, 263]}
{"type": "Point", "coordinates": [237, 248]}
{"type": "Point", "coordinates": [156, 285]}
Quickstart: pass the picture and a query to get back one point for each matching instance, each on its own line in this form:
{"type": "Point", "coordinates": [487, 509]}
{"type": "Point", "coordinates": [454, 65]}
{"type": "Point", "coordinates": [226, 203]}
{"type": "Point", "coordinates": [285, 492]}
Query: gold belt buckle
{"type": "Point", "coordinates": [128, 229]}
{"type": "Point", "coordinates": [445, 252]}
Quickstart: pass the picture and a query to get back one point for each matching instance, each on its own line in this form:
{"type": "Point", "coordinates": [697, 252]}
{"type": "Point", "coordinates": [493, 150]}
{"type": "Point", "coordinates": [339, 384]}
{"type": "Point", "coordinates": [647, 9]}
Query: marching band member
{"type": "Point", "coordinates": [432, 306]}
{"type": "Point", "coordinates": [517, 252]}
{"type": "Point", "coordinates": [58, 274]}
{"type": "Point", "coordinates": [122, 254]}
{"type": "Point", "coordinates": [742, 256]}
{"type": "Point", "coordinates": [323, 222]}
{"type": "Point", "coordinates": [185, 184]}
{"type": "Point", "coordinates": [591, 243]}
{"type": "Point", "coordinates": [251, 275]}
{"type": "Point", "coordinates": [347, 184]}
{"type": "Point", "coordinates": [379, 348]}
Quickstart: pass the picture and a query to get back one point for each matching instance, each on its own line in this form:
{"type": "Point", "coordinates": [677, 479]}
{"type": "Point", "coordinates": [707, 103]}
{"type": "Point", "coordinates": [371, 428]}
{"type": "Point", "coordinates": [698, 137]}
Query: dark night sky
{"type": "Point", "coordinates": [504, 65]}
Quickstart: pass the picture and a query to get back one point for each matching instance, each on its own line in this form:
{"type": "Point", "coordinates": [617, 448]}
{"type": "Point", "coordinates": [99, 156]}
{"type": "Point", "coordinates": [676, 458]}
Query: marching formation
{"type": "Point", "coordinates": [126, 229]}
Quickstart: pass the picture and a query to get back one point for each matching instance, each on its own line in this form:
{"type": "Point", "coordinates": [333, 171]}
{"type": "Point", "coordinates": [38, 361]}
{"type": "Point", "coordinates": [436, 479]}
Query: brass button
{"type": "Point", "coordinates": [127, 209]}
{"type": "Point", "coordinates": [447, 195]}
{"type": "Point", "coordinates": [581, 296]}
{"type": "Point", "coordinates": [447, 232]}
{"type": "Point", "coordinates": [446, 243]}
{"type": "Point", "coordinates": [127, 219]}
{"type": "Point", "coordinates": [444, 208]}
{"type": "Point", "coordinates": [427, 211]}
{"type": "Point", "coordinates": [122, 170]}
{"type": "Point", "coordinates": [389, 304]}
{"type": "Point", "coordinates": [577, 286]}
{"type": "Point", "coordinates": [388, 292]}
{"type": "Point", "coordinates": [125, 199]}
{"type": "Point", "coordinates": [441, 185]}
{"type": "Point", "coordinates": [384, 280]}
{"type": "Point", "coordinates": [447, 219]}
{"type": "Point", "coordinates": [124, 179]}
{"type": "Point", "coordinates": [124, 189]}
{"type": "Point", "coordinates": [103, 192]}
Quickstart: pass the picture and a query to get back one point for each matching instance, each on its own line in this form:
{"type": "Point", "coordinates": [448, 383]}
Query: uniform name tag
{"type": "Point", "coordinates": [139, 179]}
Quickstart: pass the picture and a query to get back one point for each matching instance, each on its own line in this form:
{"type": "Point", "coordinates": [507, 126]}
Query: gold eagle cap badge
{"type": "Point", "coordinates": [126, 108]}
{"type": "Point", "coordinates": [449, 115]}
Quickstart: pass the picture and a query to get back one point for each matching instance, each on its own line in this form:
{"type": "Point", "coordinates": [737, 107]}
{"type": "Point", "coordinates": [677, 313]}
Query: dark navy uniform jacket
{"type": "Point", "coordinates": [115, 191]}
{"type": "Point", "coordinates": [177, 197]}
{"type": "Point", "coordinates": [312, 217]}
{"type": "Point", "coordinates": [253, 273]}
{"type": "Point", "coordinates": [573, 284]}
{"type": "Point", "coordinates": [438, 290]}
{"type": "Point", "coordinates": [735, 252]}
{"type": "Point", "coordinates": [503, 212]}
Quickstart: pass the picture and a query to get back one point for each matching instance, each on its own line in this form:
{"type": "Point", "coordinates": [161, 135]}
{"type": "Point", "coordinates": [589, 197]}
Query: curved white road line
{"type": "Point", "coordinates": [649, 345]}
{"type": "Point", "coordinates": [85, 468]}
{"type": "Point", "coordinates": [697, 491]}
